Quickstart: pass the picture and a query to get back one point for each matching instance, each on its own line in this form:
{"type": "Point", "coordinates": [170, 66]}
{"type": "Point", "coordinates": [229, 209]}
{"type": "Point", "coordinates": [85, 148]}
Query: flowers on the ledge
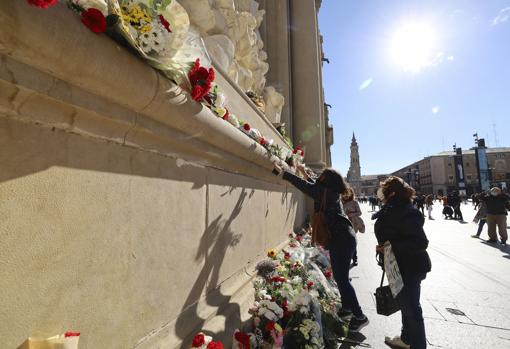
{"type": "Point", "coordinates": [201, 80]}
{"type": "Point", "coordinates": [201, 341]}
{"type": "Point", "coordinates": [42, 3]}
{"type": "Point", "coordinates": [94, 19]}
{"type": "Point", "coordinates": [243, 340]}
{"type": "Point", "coordinates": [147, 26]}
{"type": "Point", "coordinates": [159, 32]}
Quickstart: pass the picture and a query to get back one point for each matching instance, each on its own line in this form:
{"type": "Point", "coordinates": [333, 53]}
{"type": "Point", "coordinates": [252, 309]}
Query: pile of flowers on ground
{"type": "Point", "coordinates": [296, 300]}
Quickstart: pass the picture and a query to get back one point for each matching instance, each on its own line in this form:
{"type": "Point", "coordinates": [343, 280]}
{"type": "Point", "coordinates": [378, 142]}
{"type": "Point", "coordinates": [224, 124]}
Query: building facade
{"type": "Point", "coordinates": [436, 174]}
{"type": "Point", "coordinates": [130, 212]}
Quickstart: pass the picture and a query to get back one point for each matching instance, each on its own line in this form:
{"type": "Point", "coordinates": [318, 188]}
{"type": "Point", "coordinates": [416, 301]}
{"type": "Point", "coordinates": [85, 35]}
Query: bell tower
{"type": "Point", "coordinates": [354, 173]}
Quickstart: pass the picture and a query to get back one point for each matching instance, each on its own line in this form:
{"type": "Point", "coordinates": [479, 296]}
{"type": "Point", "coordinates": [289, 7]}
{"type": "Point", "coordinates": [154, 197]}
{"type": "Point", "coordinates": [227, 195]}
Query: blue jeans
{"type": "Point", "coordinates": [480, 226]}
{"type": "Point", "coordinates": [341, 251]}
{"type": "Point", "coordinates": [413, 327]}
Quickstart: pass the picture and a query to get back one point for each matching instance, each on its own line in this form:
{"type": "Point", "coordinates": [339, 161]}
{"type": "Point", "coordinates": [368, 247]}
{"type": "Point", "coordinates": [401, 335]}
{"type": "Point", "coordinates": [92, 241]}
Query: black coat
{"type": "Point", "coordinates": [337, 220]}
{"type": "Point", "coordinates": [402, 226]}
{"type": "Point", "coordinates": [496, 204]}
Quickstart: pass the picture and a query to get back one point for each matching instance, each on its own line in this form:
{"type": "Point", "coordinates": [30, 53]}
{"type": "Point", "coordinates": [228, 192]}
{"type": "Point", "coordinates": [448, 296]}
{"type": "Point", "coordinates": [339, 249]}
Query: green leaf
{"type": "Point", "coordinates": [159, 4]}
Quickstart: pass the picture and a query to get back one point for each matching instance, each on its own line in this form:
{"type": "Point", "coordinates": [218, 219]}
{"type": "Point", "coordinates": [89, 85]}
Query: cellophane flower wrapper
{"type": "Point", "coordinates": [68, 340]}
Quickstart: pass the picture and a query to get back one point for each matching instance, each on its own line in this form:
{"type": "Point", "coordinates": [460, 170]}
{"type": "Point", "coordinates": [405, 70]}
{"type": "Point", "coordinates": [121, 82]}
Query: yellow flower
{"type": "Point", "coordinates": [271, 253]}
{"type": "Point", "coordinates": [145, 29]}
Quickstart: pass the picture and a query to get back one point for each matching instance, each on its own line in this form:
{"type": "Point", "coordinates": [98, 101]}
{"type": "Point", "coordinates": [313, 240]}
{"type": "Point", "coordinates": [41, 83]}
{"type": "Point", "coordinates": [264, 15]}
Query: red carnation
{"type": "Point", "coordinates": [243, 338]}
{"type": "Point", "coordinates": [71, 334]}
{"type": "Point", "coordinates": [309, 284]}
{"type": "Point", "coordinates": [262, 142]}
{"type": "Point", "coordinates": [94, 20]}
{"type": "Point", "coordinates": [198, 340]}
{"type": "Point", "coordinates": [42, 3]}
{"type": "Point", "coordinates": [246, 126]}
{"type": "Point", "coordinates": [165, 23]}
{"type": "Point", "coordinates": [328, 274]}
{"type": "Point", "coordinates": [286, 255]}
{"type": "Point", "coordinates": [227, 114]}
{"type": "Point", "coordinates": [270, 326]}
{"type": "Point", "coordinates": [215, 345]}
{"type": "Point", "coordinates": [201, 80]}
{"type": "Point", "coordinates": [198, 92]}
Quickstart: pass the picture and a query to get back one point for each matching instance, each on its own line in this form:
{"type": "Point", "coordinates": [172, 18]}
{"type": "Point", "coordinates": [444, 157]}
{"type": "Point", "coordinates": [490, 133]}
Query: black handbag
{"type": "Point", "coordinates": [384, 301]}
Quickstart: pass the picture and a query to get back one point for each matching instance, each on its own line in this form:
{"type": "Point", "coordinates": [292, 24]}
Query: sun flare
{"type": "Point", "coordinates": [413, 46]}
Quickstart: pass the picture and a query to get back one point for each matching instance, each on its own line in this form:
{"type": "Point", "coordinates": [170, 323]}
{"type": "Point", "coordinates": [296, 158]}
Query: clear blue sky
{"type": "Point", "coordinates": [399, 114]}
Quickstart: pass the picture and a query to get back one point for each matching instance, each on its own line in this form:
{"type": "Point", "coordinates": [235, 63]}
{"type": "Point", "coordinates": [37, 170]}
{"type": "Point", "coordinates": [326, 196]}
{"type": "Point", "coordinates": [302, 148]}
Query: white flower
{"type": "Point", "coordinates": [154, 40]}
{"type": "Point", "coordinates": [97, 4]}
{"type": "Point", "coordinates": [255, 134]}
{"type": "Point", "coordinates": [220, 100]}
{"type": "Point", "coordinates": [270, 310]}
{"type": "Point", "coordinates": [234, 121]}
{"type": "Point", "coordinates": [296, 280]}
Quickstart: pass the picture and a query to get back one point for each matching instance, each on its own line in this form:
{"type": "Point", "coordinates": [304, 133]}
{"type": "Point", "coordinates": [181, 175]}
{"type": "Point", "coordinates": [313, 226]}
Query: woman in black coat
{"type": "Point", "coordinates": [343, 238]}
{"type": "Point", "coordinates": [400, 224]}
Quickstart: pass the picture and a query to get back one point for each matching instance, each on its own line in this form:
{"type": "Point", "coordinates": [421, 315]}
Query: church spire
{"type": "Point", "coordinates": [353, 141]}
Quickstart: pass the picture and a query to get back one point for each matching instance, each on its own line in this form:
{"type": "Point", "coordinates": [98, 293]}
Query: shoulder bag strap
{"type": "Point", "coordinates": [382, 278]}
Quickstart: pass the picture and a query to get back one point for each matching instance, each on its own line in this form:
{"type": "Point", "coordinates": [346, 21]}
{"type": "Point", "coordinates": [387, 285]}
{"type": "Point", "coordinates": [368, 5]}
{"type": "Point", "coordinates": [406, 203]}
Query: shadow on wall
{"type": "Point", "coordinates": [26, 150]}
{"type": "Point", "coordinates": [218, 237]}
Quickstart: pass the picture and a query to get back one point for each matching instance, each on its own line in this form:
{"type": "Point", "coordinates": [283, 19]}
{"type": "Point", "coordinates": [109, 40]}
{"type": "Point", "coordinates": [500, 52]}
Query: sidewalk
{"type": "Point", "coordinates": [468, 275]}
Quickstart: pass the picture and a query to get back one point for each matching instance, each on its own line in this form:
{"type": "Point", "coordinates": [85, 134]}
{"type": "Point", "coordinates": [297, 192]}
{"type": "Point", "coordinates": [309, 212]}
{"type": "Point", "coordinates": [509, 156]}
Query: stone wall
{"type": "Point", "coordinates": [128, 212]}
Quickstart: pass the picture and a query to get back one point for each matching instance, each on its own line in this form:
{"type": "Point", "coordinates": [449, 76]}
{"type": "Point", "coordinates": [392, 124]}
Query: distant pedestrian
{"type": "Point", "coordinates": [496, 214]}
{"type": "Point", "coordinates": [353, 212]}
{"type": "Point", "coordinates": [454, 201]}
{"type": "Point", "coordinates": [373, 202]}
{"type": "Point", "coordinates": [400, 224]}
{"type": "Point", "coordinates": [420, 203]}
{"type": "Point", "coordinates": [429, 203]}
{"type": "Point", "coordinates": [480, 217]}
{"type": "Point", "coordinates": [447, 212]}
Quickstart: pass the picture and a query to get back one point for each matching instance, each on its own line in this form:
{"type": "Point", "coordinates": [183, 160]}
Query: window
{"type": "Point", "coordinates": [450, 164]}
{"type": "Point", "coordinates": [450, 178]}
{"type": "Point", "coordinates": [467, 164]}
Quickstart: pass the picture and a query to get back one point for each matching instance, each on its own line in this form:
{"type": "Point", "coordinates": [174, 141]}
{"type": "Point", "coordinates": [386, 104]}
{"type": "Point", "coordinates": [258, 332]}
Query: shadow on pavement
{"type": "Point", "coordinates": [354, 340]}
{"type": "Point", "coordinates": [497, 245]}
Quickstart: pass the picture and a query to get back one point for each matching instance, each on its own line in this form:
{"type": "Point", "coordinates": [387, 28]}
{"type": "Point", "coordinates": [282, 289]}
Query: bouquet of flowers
{"type": "Point", "coordinates": [296, 298]}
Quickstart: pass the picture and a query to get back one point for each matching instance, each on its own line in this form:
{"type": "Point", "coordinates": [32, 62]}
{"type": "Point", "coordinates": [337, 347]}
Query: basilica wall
{"type": "Point", "coordinates": [129, 212]}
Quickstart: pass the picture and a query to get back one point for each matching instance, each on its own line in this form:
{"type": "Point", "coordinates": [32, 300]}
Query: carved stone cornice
{"type": "Point", "coordinates": [56, 73]}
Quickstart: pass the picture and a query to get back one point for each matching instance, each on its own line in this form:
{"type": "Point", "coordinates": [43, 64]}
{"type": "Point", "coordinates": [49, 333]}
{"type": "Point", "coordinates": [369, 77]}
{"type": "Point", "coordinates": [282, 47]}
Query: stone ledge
{"type": "Point", "coordinates": [103, 98]}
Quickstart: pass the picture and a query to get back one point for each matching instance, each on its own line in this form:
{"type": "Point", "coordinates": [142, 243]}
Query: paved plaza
{"type": "Point", "coordinates": [466, 297]}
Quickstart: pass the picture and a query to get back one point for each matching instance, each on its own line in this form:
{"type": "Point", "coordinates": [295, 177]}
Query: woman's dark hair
{"type": "Point", "coordinates": [348, 195]}
{"type": "Point", "coordinates": [333, 180]}
{"type": "Point", "coordinates": [396, 191]}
